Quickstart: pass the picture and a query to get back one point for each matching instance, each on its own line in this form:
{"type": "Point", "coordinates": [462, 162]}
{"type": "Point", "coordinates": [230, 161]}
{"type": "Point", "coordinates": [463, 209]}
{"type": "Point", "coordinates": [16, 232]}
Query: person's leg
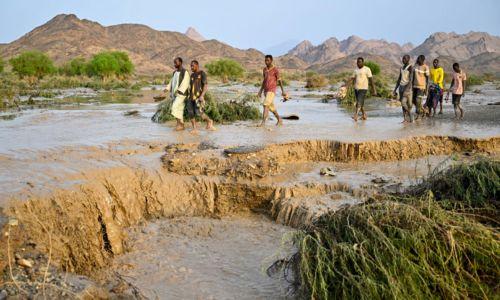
{"type": "Point", "coordinates": [358, 105]}
{"type": "Point", "coordinates": [178, 111]}
{"type": "Point", "coordinates": [268, 105]}
{"type": "Point", "coordinates": [455, 105]}
{"type": "Point", "coordinates": [403, 108]}
{"type": "Point", "coordinates": [441, 102]}
{"type": "Point", "coordinates": [272, 109]}
{"type": "Point", "coordinates": [459, 106]}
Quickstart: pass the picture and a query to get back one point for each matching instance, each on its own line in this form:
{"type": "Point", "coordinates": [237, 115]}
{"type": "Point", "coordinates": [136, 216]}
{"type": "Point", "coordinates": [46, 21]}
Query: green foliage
{"type": "Point", "coordinates": [2, 65]}
{"type": "Point", "coordinates": [75, 67]}
{"type": "Point", "coordinates": [374, 67]}
{"type": "Point", "coordinates": [227, 69]}
{"type": "Point", "coordinates": [473, 80]}
{"type": "Point", "coordinates": [389, 249]}
{"type": "Point", "coordinates": [112, 63]}
{"type": "Point", "coordinates": [32, 64]}
{"type": "Point", "coordinates": [315, 80]}
{"type": "Point", "coordinates": [218, 111]}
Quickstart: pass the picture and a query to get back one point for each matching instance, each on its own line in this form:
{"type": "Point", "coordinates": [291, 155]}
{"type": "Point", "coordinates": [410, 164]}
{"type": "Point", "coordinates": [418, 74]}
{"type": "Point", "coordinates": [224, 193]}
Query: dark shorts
{"type": "Point", "coordinates": [194, 109]}
{"type": "Point", "coordinates": [360, 97]}
{"type": "Point", "coordinates": [455, 99]}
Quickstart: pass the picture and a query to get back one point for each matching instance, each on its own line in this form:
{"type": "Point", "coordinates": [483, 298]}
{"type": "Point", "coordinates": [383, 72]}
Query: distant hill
{"type": "Point", "coordinates": [66, 36]}
{"type": "Point", "coordinates": [194, 35]}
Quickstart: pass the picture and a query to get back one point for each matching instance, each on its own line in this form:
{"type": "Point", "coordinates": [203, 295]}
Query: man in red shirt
{"type": "Point", "coordinates": [271, 79]}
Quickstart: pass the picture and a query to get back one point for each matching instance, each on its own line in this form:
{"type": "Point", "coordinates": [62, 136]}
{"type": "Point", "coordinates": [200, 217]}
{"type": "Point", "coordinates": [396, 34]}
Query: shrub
{"type": "Point", "coordinates": [227, 69]}
{"type": "Point", "coordinates": [218, 111]}
{"type": "Point", "coordinates": [473, 80]}
{"type": "Point", "coordinates": [2, 65]}
{"type": "Point", "coordinates": [32, 64]}
{"type": "Point", "coordinates": [374, 67]}
{"type": "Point", "coordinates": [75, 67]}
{"type": "Point", "coordinates": [315, 80]}
{"type": "Point", "coordinates": [107, 64]}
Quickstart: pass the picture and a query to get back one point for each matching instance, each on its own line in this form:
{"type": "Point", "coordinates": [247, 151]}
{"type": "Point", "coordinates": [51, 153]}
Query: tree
{"type": "Point", "coordinates": [374, 67]}
{"type": "Point", "coordinates": [227, 69]}
{"type": "Point", "coordinates": [32, 64]}
{"type": "Point", "coordinates": [110, 63]}
{"type": "Point", "coordinates": [75, 67]}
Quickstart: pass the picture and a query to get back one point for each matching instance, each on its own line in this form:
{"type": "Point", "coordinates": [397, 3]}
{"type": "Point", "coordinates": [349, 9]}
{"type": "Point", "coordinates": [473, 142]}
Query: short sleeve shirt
{"type": "Point", "coordinates": [361, 78]}
{"type": "Point", "coordinates": [271, 77]}
{"type": "Point", "coordinates": [198, 82]}
{"type": "Point", "coordinates": [420, 76]}
{"type": "Point", "coordinates": [458, 86]}
{"type": "Point", "coordinates": [437, 76]}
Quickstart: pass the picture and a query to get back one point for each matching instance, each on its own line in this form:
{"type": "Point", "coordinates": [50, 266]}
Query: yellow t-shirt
{"type": "Point", "coordinates": [437, 76]}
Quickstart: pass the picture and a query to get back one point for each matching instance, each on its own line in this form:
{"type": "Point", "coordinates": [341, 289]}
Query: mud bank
{"type": "Point", "coordinates": [83, 228]}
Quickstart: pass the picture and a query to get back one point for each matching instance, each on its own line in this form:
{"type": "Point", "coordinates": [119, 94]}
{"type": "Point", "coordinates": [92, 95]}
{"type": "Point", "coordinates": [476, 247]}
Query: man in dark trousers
{"type": "Point", "coordinates": [361, 76]}
{"type": "Point", "coordinates": [196, 101]}
{"type": "Point", "coordinates": [404, 86]}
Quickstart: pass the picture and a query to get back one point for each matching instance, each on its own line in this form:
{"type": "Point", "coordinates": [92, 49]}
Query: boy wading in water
{"type": "Point", "coordinates": [457, 88]}
{"type": "Point", "coordinates": [420, 84]}
{"type": "Point", "coordinates": [271, 79]}
{"type": "Point", "coordinates": [404, 86]}
{"type": "Point", "coordinates": [361, 77]}
{"type": "Point", "coordinates": [437, 78]}
{"type": "Point", "coordinates": [196, 101]}
{"type": "Point", "coordinates": [178, 88]}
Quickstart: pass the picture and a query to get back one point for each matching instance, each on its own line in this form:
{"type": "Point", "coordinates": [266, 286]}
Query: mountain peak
{"type": "Point", "coordinates": [194, 35]}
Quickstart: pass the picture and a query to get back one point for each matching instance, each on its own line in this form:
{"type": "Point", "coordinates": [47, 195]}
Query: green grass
{"type": "Point", "coordinates": [218, 111]}
{"type": "Point", "coordinates": [402, 247]}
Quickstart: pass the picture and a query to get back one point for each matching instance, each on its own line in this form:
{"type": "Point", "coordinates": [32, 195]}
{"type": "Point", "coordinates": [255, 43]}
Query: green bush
{"type": "Point", "coordinates": [2, 65]}
{"type": "Point", "coordinates": [75, 67]}
{"type": "Point", "coordinates": [473, 80]}
{"type": "Point", "coordinates": [374, 67]}
{"type": "Point", "coordinates": [226, 69]}
{"type": "Point", "coordinates": [218, 111]}
{"type": "Point", "coordinates": [110, 63]}
{"type": "Point", "coordinates": [32, 64]}
{"type": "Point", "coordinates": [315, 80]}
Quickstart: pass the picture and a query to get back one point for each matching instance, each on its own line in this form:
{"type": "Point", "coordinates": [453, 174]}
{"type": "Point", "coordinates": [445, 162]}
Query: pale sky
{"type": "Point", "coordinates": [262, 24]}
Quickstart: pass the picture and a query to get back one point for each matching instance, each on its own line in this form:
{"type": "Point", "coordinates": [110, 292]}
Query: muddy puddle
{"type": "Point", "coordinates": [176, 215]}
{"type": "Point", "coordinates": [203, 258]}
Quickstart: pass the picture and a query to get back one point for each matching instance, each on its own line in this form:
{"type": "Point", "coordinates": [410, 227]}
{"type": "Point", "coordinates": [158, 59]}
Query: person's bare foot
{"type": "Point", "coordinates": [262, 124]}
{"type": "Point", "coordinates": [179, 127]}
{"type": "Point", "coordinates": [355, 118]}
{"type": "Point", "coordinates": [210, 126]}
{"type": "Point", "coordinates": [404, 121]}
{"type": "Point", "coordinates": [364, 117]}
{"type": "Point", "coordinates": [279, 122]}
{"type": "Point", "coordinates": [440, 112]}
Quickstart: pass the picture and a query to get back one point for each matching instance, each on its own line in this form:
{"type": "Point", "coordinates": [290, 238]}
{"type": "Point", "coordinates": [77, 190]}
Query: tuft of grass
{"type": "Point", "coordinates": [315, 80]}
{"type": "Point", "coordinates": [397, 250]}
{"type": "Point", "coordinates": [219, 111]}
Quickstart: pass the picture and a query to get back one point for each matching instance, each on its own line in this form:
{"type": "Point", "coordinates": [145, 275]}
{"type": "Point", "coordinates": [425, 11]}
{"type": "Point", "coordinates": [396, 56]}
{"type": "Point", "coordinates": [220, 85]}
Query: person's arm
{"type": "Point", "coordinates": [205, 86]}
{"type": "Point", "coordinates": [184, 86]}
{"type": "Point", "coordinates": [448, 93]}
{"type": "Point", "coordinates": [426, 82]}
{"type": "Point", "coordinates": [278, 78]}
{"type": "Point", "coordinates": [259, 94]}
{"type": "Point", "coordinates": [440, 79]}
{"type": "Point", "coordinates": [372, 84]}
{"type": "Point", "coordinates": [464, 79]}
{"type": "Point", "coordinates": [397, 84]}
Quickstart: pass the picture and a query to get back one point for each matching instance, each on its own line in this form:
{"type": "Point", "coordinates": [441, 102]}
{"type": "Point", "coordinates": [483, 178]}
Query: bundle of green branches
{"type": "Point", "coordinates": [243, 108]}
{"type": "Point", "coordinates": [350, 97]}
{"type": "Point", "coordinates": [397, 250]}
{"type": "Point", "coordinates": [474, 187]}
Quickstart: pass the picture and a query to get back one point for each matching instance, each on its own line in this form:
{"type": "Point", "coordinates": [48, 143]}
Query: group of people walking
{"type": "Point", "coordinates": [188, 92]}
{"type": "Point", "coordinates": [415, 82]}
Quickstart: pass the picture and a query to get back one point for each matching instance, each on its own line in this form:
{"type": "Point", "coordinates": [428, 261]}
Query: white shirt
{"type": "Point", "coordinates": [361, 78]}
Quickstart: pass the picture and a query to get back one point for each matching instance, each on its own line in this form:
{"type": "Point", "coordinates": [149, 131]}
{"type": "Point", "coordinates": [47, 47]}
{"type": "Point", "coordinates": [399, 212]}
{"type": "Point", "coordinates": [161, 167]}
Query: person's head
{"type": "Point", "coordinates": [420, 59]}
{"type": "Point", "coordinates": [405, 59]}
{"type": "Point", "coordinates": [456, 67]}
{"type": "Point", "coordinates": [268, 60]}
{"type": "Point", "coordinates": [435, 62]}
{"type": "Point", "coordinates": [195, 66]}
{"type": "Point", "coordinates": [360, 62]}
{"type": "Point", "coordinates": [178, 62]}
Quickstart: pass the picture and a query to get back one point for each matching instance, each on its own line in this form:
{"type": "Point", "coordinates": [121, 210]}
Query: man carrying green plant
{"type": "Point", "coordinates": [178, 88]}
{"type": "Point", "coordinates": [404, 85]}
{"type": "Point", "coordinates": [272, 78]}
{"type": "Point", "coordinates": [196, 101]}
{"type": "Point", "coordinates": [420, 84]}
{"type": "Point", "coordinates": [360, 79]}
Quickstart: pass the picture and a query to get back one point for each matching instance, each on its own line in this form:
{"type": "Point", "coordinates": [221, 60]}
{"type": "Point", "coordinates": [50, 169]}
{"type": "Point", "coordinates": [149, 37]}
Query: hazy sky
{"type": "Point", "coordinates": [261, 24]}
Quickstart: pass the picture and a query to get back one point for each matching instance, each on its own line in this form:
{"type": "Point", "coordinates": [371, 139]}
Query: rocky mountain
{"type": "Point", "coordinates": [461, 47]}
{"type": "Point", "coordinates": [333, 49]}
{"type": "Point", "coordinates": [194, 35]}
{"type": "Point", "coordinates": [348, 63]}
{"type": "Point", "coordinates": [66, 37]}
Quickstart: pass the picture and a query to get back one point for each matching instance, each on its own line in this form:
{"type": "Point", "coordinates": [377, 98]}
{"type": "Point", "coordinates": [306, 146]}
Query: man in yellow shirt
{"type": "Point", "coordinates": [437, 77]}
